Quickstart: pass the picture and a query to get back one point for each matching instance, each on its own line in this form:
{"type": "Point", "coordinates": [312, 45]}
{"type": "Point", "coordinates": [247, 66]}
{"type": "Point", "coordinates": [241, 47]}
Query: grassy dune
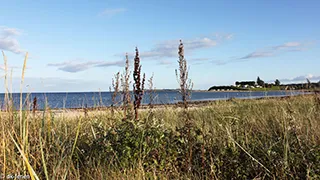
{"type": "Point", "coordinates": [267, 138]}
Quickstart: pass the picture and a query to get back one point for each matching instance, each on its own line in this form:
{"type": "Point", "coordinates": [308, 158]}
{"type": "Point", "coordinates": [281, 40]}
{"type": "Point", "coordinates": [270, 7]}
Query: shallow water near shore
{"type": "Point", "coordinates": [103, 99]}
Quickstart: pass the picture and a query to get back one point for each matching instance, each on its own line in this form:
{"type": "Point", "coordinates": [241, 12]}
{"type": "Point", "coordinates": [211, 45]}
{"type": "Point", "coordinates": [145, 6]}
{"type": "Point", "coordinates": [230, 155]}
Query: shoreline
{"type": "Point", "coordinates": [89, 112]}
{"type": "Point", "coordinates": [167, 90]}
{"type": "Point", "coordinates": [192, 104]}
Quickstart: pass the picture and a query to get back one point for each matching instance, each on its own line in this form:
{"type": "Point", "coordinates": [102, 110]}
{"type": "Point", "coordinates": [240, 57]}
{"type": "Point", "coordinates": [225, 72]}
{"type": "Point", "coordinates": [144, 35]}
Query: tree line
{"type": "Point", "coordinates": [259, 83]}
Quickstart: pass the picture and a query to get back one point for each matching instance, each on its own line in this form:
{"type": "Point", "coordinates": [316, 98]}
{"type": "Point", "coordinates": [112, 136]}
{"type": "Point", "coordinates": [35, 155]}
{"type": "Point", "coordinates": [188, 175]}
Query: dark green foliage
{"type": "Point", "coordinates": [243, 83]}
{"type": "Point", "coordinates": [129, 142]}
{"type": "Point", "coordinates": [260, 82]}
{"type": "Point", "coordinates": [149, 143]}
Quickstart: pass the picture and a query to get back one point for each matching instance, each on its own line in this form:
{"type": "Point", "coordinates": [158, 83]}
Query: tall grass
{"type": "Point", "coordinates": [271, 138]}
{"type": "Point", "coordinates": [183, 77]}
{"type": "Point", "coordinates": [151, 91]}
{"type": "Point", "coordinates": [125, 84]}
{"type": "Point", "coordinates": [115, 86]}
{"type": "Point", "coordinates": [237, 139]}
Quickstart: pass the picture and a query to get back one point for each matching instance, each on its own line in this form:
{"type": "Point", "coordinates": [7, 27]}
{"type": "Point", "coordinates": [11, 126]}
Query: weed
{"type": "Point", "coordinates": [138, 86]}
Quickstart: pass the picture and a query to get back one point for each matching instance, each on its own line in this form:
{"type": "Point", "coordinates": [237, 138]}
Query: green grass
{"type": "Point", "coordinates": [237, 139]}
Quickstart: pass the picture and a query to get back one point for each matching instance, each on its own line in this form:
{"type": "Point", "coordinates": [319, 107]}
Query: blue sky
{"type": "Point", "coordinates": [79, 45]}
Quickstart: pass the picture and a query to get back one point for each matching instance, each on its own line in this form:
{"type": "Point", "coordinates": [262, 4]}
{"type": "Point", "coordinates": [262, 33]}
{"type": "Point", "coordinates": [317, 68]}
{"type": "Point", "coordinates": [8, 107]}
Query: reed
{"type": "Point", "coordinates": [183, 77]}
{"type": "Point", "coordinates": [125, 84]}
{"type": "Point", "coordinates": [6, 95]}
{"type": "Point", "coordinates": [151, 91]}
{"type": "Point", "coordinates": [185, 91]}
{"type": "Point", "coordinates": [115, 86]}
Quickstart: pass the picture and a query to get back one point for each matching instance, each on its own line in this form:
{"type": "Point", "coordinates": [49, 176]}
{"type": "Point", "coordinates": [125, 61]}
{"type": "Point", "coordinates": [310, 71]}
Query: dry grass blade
{"type": "Point", "coordinates": [125, 83]}
{"type": "Point", "coordinates": [4, 154]}
{"type": "Point", "coordinates": [115, 86]}
{"type": "Point", "coordinates": [73, 147]}
{"type": "Point", "coordinates": [42, 157]}
{"type": "Point", "coordinates": [151, 91]}
{"type": "Point", "coordinates": [6, 99]}
{"type": "Point", "coordinates": [21, 86]}
{"type": "Point", "coordinates": [23, 125]}
{"type": "Point", "coordinates": [247, 152]}
{"type": "Point", "coordinates": [32, 173]}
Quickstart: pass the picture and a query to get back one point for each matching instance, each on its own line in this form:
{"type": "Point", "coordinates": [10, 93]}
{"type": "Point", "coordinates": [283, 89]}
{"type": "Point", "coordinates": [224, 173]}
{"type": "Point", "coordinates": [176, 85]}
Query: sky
{"type": "Point", "coordinates": [76, 46]}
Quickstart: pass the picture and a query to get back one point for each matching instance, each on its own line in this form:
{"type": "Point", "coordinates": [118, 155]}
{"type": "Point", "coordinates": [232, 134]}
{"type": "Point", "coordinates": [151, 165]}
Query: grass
{"type": "Point", "coordinates": [268, 138]}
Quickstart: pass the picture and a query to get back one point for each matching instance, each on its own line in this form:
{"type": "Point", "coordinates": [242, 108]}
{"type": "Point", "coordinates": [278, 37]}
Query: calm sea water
{"type": "Point", "coordinates": [95, 99]}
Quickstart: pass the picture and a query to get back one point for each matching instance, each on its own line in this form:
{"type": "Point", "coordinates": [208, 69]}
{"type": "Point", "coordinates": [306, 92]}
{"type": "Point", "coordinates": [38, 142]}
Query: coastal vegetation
{"type": "Point", "coordinates": [276, 138]}
{"type": "Point", "coordinates": [260, 85]}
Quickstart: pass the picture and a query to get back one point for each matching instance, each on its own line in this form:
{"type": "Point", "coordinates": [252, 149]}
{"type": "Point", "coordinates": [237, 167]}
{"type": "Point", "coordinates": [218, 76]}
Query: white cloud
{"type": "Point", "coordinates": [288, 45]}
{"type": "Point", "coordinates": [169, 49]}
{"type": "Point", "coordinates": [275, 50]}
{"type": "Point", "coordinates": [111, 63]}
{"type": "Point", "coordinates": [76, 66]}
{"type": "Point", "coordinates": [72, 66]}
{"type": "Point", "coordinates": [8, 41]}
{"type": "Point", "coordinates": [258, 55]}
{"type": "Point", "coordinates": [9, 32]}
{"type": "Point", "coordinates": [309, 76]}
{"type": "Point", "coordinates": [302, 78]}
{"type": "Point", "coordinates": [111, 12]}
{"type": "Point", "coordinates": [265, 52]}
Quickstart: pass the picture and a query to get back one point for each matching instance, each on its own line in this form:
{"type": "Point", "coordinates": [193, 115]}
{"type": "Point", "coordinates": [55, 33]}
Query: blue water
{"type": "Point", "coordinates": [96, 99]}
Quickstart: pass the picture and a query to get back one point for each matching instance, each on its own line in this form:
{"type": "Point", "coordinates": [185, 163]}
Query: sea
{"type": "Point", "coordinates": [70, 100]}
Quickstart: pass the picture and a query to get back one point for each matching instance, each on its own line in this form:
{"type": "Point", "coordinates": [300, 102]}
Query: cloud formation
{"type": "Point", "coordinates": [200, 59]}
{"type": "Point", "coordinates": [169, 49]}
{"type": "Point", "coordinates": [275, 50]}
{"type": "Point", "coordinates": [112, 12]}
{"type": "Point", "coordinates": [258, 54]}
{"type": "Point", "coordinates": [75, 66]}
{"type": "Point", "coordinates": [302, 78]}
{"type": "Point", "coordinates": [8, 41]}
{"type": "Point", "coordinates": [289, 45]}
{"type": "Point", "coordinates": [265, 52]}
{"type": "Point", "coordinates": [111, 63]}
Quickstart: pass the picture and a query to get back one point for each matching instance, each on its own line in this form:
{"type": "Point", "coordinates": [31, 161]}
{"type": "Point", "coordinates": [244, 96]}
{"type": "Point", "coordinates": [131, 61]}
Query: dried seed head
{"type": "Point", "coordinates": [181, 50]}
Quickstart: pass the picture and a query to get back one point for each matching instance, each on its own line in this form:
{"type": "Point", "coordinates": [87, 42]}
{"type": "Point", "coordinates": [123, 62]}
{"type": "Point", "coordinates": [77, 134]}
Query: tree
{"type": "Point", "coordinates": [309, 84]}
{"type": "Point", "coordinates": [260, 82]}
{"type": "Point", "coordinates": [277, 82]}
